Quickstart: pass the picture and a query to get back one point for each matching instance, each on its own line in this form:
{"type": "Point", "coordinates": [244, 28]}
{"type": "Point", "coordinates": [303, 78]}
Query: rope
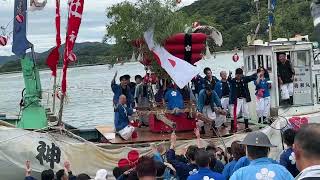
{"type": "Point", "coordinates": [15, 137]}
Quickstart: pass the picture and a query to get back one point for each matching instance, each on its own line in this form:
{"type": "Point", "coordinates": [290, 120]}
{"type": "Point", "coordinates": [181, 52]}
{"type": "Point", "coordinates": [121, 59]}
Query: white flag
{"type": "Point", "coordinates": [178, 69]}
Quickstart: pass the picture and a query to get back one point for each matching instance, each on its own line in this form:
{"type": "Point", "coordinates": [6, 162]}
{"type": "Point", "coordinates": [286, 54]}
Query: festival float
{"type": "Point", "coordinates": [40, 135]}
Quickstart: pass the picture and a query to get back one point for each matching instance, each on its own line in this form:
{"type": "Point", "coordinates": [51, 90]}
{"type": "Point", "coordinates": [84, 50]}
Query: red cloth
{"type": "Point", "coordinates": [53, 58]}
{"type": "Point", "coordinates": [297, 122]}
{"type": "Point", "coordinates": [74, 21]}
{"type": "Point", "coordinates": [235, 116]}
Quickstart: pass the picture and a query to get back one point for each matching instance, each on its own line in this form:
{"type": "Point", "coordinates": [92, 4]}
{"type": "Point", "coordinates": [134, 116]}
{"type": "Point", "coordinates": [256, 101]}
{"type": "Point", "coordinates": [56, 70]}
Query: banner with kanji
{"type": "Point", "coordinates": [74, 21]}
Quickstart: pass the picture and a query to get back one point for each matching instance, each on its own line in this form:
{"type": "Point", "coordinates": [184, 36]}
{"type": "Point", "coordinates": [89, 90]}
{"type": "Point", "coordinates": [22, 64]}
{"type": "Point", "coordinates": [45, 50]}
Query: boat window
{"type": "Point", "coordinates": [260, 61]}
{"type": "Point", "coordinates": [301, 58]}
{"type": "Point", "coordinates": [268, 62]}
{"type": "Point", "coordinates": [316, 56]}
{"type": "Point", "coordinates": [248, 63]}
{"type": "Point", "coordinates": [254, 63]}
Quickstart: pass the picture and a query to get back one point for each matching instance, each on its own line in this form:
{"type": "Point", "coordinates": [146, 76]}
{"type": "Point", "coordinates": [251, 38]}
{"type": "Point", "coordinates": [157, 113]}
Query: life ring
{"type": "Point", "coordinates": [235, 57]}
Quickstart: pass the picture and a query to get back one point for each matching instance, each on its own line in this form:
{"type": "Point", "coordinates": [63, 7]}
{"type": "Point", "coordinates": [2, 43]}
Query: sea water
{"type": "Point", "coordinates": [89, 95]}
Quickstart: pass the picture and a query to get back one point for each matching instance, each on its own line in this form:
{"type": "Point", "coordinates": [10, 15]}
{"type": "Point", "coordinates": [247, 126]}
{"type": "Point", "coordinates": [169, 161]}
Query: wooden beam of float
{"type": "Point", "coordinates": [164, 119]}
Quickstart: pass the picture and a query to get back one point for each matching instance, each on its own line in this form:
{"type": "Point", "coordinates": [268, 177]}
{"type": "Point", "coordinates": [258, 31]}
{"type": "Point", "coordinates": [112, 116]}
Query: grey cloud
{"type": "Point", "coordinates": [41, 27]}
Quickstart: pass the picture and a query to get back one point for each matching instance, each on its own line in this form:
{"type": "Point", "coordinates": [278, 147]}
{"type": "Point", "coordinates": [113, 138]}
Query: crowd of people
{"type": "Point", "coordinates": [215, 99]}
{"type": "Point", "coordinates": [243, 160]}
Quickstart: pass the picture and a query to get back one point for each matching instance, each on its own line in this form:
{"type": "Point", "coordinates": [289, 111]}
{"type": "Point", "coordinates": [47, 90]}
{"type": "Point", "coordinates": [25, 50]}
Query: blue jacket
{"type": "Point", "coordinates": [263, 84]}
{"type": "Point", "coordinates": [242, 162]}
{"type": "Point", "coordinates": [216, 166]}
{"type": "Point", "coordinates": [217, 86]}
{"type": "Point", "coordinates": [245, 80]}
{"type": "Point", "coordinates": [117, 90]}
{"type": "Point", "coordinates": [228, 169]}
{"type": "Point", "coordinates": [202, 172]}
{"type": "Point", "coordinates": [174, 99]}
{"type": "Point", "coordinates": [197, 84]}
{"type": "Point", "coordinates": [287, 159]}
{"type": "Point", "coordinates": [183, 169]}
{"type": "Point", "coordinates": [262, 168]}
{"type": "Point", "coordinates": [214, 102]}
{"type": "Point", "coordinates": [121, 119]}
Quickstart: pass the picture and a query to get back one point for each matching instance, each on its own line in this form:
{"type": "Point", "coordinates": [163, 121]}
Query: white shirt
{"type": "Point", "coordinates": [312, 171]}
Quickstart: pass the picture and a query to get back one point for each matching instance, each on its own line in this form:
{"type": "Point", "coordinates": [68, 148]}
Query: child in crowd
{"type": "Point", "coordinates": [263, 95]}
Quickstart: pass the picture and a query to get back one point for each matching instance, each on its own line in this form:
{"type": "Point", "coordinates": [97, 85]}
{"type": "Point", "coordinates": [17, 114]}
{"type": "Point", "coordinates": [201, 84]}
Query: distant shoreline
{"type": "Point", "coordinates": [84, 65]}
{"type": "Point", "coordinates": [44, 69]}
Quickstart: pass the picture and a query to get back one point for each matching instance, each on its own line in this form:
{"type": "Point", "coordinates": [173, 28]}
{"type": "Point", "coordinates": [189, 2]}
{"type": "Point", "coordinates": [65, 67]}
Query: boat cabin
{"type": "Point", "coordinates": [306, 83]}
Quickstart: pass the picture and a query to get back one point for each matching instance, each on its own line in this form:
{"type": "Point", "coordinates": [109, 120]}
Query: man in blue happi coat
{"type": "Point", "coordinates": [210, 79]}
{"type": "Point", "coordinates": [121, 89]}
{"type": "Point", "coordinates": [121, 118]}
{"type": "Point", "coordinates": [238, 151]}
{"type": "Point", "coordinates": [203, 160]}
{"type": "Point", "coordinates": [174, 98]}
{"type": "Point", "coordinates": [287, 157]}
{"type": "Point", "coordinates": [208, 101]}
{"type": "Point", "coordinates": [261, 167]}
{"type": "Point", "coordinates": [240, 97]}
{"type": "Point", "coordinates": [184, 169]}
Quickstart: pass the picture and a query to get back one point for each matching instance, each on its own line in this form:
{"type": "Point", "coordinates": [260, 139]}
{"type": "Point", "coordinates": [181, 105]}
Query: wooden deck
{"type": "Point", "coordinates": [145, 135]}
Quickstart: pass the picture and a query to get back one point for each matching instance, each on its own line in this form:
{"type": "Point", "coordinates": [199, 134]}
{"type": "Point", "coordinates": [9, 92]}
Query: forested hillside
{"type": "Point", "coordinates": [238, 18]}
{"type": "Point", "coordinates": [87, 53]}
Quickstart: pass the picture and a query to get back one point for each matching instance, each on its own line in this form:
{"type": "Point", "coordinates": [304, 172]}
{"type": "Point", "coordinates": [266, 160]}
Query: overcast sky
{"type": "Point", "coordinates": [41, 29]}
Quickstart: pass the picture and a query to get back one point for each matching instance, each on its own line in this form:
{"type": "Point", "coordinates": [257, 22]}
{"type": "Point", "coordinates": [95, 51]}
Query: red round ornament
{"type": "Point", "coordinates": [72, 57]}
{"type": "Point", "coordinates": [123, 163]}
{"type": "Point", "coordinates": [3, 41]}
{"type": "Point", "coordinates": [20, 18]}
{"type": "Point", "coordinates": [235, 57]}
{"type": "Point", "coordinates": [133, 156]}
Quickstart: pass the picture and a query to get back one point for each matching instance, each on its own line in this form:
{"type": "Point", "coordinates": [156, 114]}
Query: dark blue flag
{"type": "Point", "coordinates": [271, 19]}
{"type": "Point", "coordinates": [273, 4]}
{"type": "Point", "coordinates": [20, 43]}
{"type": "Point", "coordinates": [271, 12]}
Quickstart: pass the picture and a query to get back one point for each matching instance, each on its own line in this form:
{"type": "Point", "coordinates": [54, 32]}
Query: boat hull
{"type": "Point", "coordinates": [18, 145]}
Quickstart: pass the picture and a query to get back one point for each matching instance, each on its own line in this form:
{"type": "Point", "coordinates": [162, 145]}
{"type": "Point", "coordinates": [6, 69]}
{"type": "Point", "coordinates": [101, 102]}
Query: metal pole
{"type": "Point", "coordinates": [270, 25]}
{"type": "Point", "coordinates": [270, 33]}
{"type": "Point", "coordinates": [54, 95]}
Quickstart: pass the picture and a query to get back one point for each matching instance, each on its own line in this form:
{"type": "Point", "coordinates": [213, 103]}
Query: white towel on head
{"type": "Point", "coordinates": [101, 174]}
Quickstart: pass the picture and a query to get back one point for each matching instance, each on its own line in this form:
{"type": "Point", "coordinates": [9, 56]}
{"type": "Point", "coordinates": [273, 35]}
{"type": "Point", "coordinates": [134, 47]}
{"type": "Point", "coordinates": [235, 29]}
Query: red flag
{"type": "Point", "coordinates": [74, 21]}
{"type": "Point", "coordinates": [53, 58]}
